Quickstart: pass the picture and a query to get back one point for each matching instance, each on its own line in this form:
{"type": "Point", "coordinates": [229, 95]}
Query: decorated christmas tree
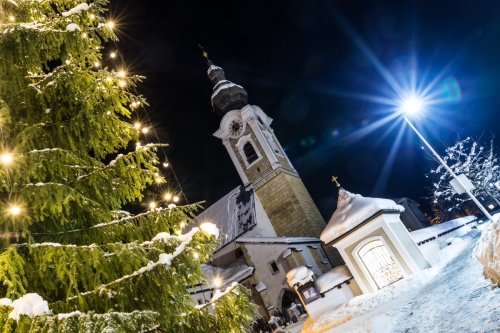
{"type": "Point", "coordinates": [71, 260]}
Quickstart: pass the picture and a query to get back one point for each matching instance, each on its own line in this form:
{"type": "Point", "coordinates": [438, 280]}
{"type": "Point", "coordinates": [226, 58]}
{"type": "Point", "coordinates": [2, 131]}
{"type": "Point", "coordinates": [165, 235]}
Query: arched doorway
{"type": "Point", "coordinates": [287, 299]}
{"type": "Point", "coordinates": [379, 263]}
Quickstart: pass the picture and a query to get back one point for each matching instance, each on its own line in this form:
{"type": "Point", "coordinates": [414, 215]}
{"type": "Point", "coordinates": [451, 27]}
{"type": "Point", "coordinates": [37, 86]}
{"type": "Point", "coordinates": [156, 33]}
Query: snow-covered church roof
{"type": "Point", "coordinates": [352, 210]}
{"type": "Point", "coordinates": [234, 214]}
{"type": "Point", "coordinates": [236, 272]}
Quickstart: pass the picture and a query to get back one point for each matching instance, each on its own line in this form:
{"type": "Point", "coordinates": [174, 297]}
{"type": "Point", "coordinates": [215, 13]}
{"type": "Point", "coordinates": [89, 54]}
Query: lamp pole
{"type": "Point", "coordinates": [443, 163]}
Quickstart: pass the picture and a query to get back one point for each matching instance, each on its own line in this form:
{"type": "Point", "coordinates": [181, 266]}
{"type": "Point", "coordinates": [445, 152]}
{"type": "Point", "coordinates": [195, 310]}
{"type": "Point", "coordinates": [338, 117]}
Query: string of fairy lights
{"type": "Point", "coordinates": [168, 196]}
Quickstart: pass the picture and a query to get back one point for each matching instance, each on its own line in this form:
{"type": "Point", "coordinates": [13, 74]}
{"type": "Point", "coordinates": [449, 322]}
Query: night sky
{"type": "Point", "coordinates": [316, 68]}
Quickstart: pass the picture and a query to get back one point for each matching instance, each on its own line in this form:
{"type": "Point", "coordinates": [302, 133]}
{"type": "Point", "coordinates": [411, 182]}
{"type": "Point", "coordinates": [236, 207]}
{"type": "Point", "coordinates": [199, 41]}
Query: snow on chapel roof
{"type": "Point", "coordinates": [352, 210]}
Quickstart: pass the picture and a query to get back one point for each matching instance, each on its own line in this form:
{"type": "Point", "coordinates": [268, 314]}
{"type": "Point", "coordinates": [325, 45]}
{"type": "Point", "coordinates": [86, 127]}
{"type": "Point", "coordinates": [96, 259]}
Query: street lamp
{"type": "Point", "coordinates": [413, 105]}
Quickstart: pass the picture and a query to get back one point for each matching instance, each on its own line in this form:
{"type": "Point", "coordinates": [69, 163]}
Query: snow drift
{"type": "Point", "coordinates": [487, 250]}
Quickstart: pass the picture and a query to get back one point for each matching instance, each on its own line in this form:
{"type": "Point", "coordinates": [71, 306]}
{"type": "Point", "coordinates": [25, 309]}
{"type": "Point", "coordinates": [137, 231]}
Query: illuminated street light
{"type": "Point", "coordinates": [413, 105]}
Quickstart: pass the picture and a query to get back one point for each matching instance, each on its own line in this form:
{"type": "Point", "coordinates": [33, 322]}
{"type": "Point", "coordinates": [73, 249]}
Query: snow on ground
{"type": "Point", "coordinates": [451, 296]}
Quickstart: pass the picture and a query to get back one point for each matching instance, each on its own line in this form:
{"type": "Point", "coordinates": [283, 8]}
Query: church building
{"type": "Point", "coordinates": [271, 222]}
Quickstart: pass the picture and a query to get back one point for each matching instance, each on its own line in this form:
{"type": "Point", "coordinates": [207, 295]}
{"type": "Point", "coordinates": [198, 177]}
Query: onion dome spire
{"type": "Point", "coordinates": [227, 96]}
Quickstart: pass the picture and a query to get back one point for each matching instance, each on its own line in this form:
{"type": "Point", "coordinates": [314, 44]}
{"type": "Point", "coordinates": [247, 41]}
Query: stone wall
{"type": "Point", "coordinates": [288, 204]}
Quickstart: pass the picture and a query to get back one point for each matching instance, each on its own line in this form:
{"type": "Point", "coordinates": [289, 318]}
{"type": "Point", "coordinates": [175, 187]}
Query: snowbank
{"type": "Point", "coordinates": [438, 229]}
{"type": "Point", "coordinates": [333, 277]}
{"type": "Point", "coordinates": [487, 250]}
{"type": "Point", "coordinates": [366, 306]}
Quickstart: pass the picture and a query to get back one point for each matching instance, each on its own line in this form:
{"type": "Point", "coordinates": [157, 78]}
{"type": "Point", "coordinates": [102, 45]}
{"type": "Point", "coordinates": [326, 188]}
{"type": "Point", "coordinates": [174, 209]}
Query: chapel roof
{"type": "Point", "coordinates": [352, 211]}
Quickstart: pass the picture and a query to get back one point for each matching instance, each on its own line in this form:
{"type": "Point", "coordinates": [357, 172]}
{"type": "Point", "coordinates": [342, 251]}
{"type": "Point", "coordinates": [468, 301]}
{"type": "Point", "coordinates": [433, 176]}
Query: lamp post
{"type": "Point", "coordinates": [414, 105]}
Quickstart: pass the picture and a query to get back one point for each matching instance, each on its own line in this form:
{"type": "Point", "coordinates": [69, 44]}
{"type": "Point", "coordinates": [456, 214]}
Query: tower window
{"type": "Point", "coordinates": [273, 267]}
{"type": "Point", "coordinates": [250, 153]}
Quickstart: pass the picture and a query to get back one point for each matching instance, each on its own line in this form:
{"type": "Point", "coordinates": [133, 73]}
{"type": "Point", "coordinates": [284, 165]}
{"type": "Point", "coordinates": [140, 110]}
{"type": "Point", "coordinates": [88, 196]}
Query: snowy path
{"type": "Point", "coordinates": [452, 296]}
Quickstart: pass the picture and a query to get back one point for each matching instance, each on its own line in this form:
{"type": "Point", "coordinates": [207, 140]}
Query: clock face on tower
{"type": "Point", "coordinates": [236, 127]}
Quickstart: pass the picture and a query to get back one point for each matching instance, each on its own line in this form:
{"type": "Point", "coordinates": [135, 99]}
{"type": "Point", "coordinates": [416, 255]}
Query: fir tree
{"type": "Point", "coordinates": [70, 261]}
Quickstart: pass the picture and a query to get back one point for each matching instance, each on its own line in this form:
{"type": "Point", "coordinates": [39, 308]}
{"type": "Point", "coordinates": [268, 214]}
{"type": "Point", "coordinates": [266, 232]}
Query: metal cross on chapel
{"type": "Point", "coordinates": [334, 180]}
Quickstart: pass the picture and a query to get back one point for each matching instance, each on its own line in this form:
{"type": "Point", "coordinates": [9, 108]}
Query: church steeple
{"type": "Point", "coordinates": [227, 96]}
{"type": "Point", "coordinates": [261, 161]}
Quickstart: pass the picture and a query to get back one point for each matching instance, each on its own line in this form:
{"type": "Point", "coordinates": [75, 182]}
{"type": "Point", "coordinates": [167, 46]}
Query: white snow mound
{"type": "Point", "coordinates": [333, 277]}
{"type": "Point", "coordinates": [299, 276]}
{"type": "Point", "coordinates": [30, 305]}
{"type": "Point", "coordinates": [487, 250]}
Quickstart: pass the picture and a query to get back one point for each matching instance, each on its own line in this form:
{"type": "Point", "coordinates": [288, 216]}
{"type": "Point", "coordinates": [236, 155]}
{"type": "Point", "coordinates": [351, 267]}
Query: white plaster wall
{"type": "Point", "coordinates": [308, 257]}
{"type": "Point", "coordinates": [260, 255]}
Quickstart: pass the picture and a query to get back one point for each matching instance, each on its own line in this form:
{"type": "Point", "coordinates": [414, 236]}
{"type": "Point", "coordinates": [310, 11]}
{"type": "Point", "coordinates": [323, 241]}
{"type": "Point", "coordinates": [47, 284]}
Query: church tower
{"type": "Point", "coordinates": [261, 162]}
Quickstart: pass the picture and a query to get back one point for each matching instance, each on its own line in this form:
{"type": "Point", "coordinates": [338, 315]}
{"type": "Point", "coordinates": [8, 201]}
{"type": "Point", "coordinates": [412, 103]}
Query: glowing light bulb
{"type": "Point", "coordinates": [145, 130]}
{"type": "Point", "coordinates": [134, 104]}
{"type": "Point", "coordinates": [138, 102]}
{"type": "Point", "coordinates": [217, 281]}
{"type": "Point", "coordinates": [412, 105]}
{"type": "Point", "coordinates": [15, 210]}
{"type": "Point", "coordinates": [152, 205]}
{"type": "Point", "coordinates": [176, 199]}
{"type": "Point", "coordinates": [12, 18]}
{"type": "Point", "coordinates": [112, 55]}
{"type": "Point", "coordinates": [165, 164]}
{"type": "Point", "coordinates": [122, 83]}
{"type": "Point", "coordinates": [110, 24]}
{"type": "Point", "coordinates": [84, 35]}
{"type": "Point", "coordinates": [121, 74]}
{"type": "Point", "coordinates": [183, 224]}
{"type": "Point", "coordinates": [159, 180]}
{"type": "Point", "coordinates": [92, 16]}
{"type": "Point", "coordinates": [137, 125]}
{"type": "Point", "coordinates": [196, 255]}
{"type": "Point", "coordinates": [168, 196]}
{"type": "Point", "coordinates": [97, 64]}
{"type": "Point", "coordinates": [6, 158]}
{"type": "Point", "coordinates": [138, 145]}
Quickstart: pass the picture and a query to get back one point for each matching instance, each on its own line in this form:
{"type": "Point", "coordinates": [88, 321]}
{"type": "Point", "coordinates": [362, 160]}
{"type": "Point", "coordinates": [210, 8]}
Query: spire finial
{"type": "Point", "coordinates": [205, 54]}
{"type": "Point", "coordinates": [334, 180]}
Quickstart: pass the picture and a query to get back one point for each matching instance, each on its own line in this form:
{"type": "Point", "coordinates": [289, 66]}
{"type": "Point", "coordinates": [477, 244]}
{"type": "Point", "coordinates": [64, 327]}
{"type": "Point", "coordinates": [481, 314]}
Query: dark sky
{"type": "Point", "coordinates": [302, 62]}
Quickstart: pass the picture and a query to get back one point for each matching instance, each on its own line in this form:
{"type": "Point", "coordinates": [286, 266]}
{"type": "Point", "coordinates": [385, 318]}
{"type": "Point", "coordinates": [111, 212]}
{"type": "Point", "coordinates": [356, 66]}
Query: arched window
{"type": "Point", "coordinates": [250, 153]}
